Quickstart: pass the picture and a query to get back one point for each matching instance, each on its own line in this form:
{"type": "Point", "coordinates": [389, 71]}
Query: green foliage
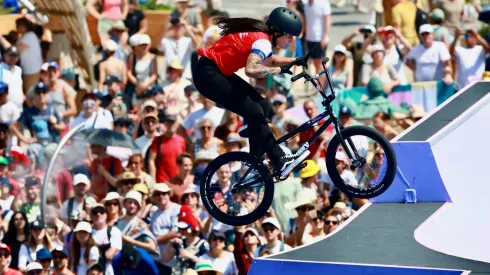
{"type": "Point", "coordinates": [153, 6]}
{"type": "Point", "coordinates": [484, 30]}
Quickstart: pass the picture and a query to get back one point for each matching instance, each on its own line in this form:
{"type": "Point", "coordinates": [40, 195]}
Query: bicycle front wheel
{"type": "Point", "coordinates": [252, 185]}
{"type": "Point", "coordinates": [372, 168]}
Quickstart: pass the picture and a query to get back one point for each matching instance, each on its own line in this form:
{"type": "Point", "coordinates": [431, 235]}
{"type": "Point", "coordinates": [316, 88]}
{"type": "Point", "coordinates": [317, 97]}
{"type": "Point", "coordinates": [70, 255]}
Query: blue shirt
{"type": "Point", "coordinates": [145, 266]}
{"type": "Point", "coordinates": [32, 114]}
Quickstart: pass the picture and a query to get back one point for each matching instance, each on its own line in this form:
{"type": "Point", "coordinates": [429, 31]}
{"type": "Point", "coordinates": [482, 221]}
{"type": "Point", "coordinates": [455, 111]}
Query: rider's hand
{"type": "Point", "coordinates": [286, 69]}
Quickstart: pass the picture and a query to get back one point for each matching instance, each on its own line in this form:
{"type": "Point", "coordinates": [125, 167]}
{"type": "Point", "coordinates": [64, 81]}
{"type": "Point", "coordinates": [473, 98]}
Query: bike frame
{"type": "Point", "coordinates": [332, 118]}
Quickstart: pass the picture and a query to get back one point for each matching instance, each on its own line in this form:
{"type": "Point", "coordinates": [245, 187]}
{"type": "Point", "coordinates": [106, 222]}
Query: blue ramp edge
{"type": "Point", "coordinates": [417, 169]}
{"type": "Point", "coordinates": [282, 267]}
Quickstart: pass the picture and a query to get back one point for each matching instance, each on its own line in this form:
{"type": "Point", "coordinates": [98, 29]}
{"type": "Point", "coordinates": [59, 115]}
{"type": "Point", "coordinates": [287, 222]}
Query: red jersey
{"type": "Point", "coordinates": [231, 52]}
{"type": "Point", "coordinates": [167, 153]}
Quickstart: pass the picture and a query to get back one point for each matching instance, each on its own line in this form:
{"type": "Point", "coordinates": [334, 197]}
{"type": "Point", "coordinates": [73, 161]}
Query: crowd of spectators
{"type": "Point", "coordinates": [112, 210]}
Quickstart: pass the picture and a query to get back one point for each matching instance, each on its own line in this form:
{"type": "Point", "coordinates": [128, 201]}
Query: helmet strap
{"type": "Point", "coordinates": [274, 40]}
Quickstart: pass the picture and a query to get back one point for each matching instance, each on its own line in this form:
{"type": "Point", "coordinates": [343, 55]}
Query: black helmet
{"type": "Point", "coordinates": [285, 21]}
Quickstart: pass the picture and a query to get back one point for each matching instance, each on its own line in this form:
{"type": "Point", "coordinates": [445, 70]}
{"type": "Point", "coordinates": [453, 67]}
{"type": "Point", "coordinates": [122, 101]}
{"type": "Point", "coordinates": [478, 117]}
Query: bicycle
{"type": "Point", "coordinates": [241, 182]}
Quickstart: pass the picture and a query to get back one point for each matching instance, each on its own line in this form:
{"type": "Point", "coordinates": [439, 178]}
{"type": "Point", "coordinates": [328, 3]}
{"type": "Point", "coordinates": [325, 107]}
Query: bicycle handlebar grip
{"type": "Point", "coordinates": [298, 76]}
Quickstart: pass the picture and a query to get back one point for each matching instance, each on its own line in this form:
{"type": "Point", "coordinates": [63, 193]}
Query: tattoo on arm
{"type": "Point", "coordinates": [255, 69]}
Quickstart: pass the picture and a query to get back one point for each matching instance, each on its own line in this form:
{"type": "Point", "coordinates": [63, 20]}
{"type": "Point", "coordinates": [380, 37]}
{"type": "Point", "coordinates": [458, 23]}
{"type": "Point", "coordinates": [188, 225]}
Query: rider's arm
{"type": "Point", "coordinates": [255, 67]}
{"type": "Point", "coordinates": [277, 61]}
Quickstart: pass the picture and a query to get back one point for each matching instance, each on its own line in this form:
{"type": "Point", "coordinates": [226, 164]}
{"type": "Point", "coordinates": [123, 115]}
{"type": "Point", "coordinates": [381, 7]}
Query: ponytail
{"type": "Point", "coordinates": [244, 24]}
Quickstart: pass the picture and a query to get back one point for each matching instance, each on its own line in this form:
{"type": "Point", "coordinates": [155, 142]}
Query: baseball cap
{"type": "Point", "coordinates": [128, 175]}
{"type": "Point", "coordinates": [59, 251]}
{"type": "Point", "coordinates": [31, 181]}
{"type": "Point", "coordinates": [4, 246]}
{"type": "Point", "coordinates": [4, 161]}
{"type": "Point", "coordinates": [190, 88]}
{"type": "Point", "coordinates": [344, 110]}
{"type": "Point", "coordinates": [437, 14]}
{"type": "Point", "coordinates": [377, 48]}
{"type": "Point", "coordinates": [426, 28]}
{"type": "Point", "coordinates": [142, 188]}
{"type": "Point", "coordinates": [112, 79]}
{"type": "Point", "coordinates": [34, 266]}
{"type": "Point", "coordinates": [53, 64]}
{"type": "Point", "coordinates": [12, 51]}
{"type": "Point", "coordinates": [110, 196]}
{"type": "Point", "coordinates": [40, 86]}
{"type": "Point", "coordinates": [217, 233]}
{"type": "Point", "coordinates": [152, 115]}
{"type": "Point", "coordinates": [40, 127]}
{"type": "Point", "coordinates": [171, 117]}
{"type": "Point", "coordinates": [4, 87]}
{"type": "Point", "coordinates": [272, 221]}
{"type": "Point", "coordinates": [80, 178]}
{"type": "Point", "coordinates": [279, 98]}
{"type": "Point", "coordinates": [156, 89]}
{"type": "Point", "coordinates": [162, 187]}
{"type": "Point", "coordinates": [109, 45]}
{"type": "Point", "coordinates": [150, 103]}
{"type": "Point", "coordinates": [142, 39]}
{"type": "Point", "coordinates": [368, 28]}
{"type": "Point", "coordinates": [340, 49]}
{"type": "Point", "coordinates": [83, 226]}
{"type": "Point", "coordinates": [43, 254]}
{"type": "Point", "coordinates": [37, 225]}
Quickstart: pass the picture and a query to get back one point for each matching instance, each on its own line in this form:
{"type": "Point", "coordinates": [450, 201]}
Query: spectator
{"type": "Point", "coordinates": [358, 50]}
{"type": "Point", "coordinates": [147, 207]}
{"type": "Point", "coordinates": [92, 116]}
{"type": "Point", "coordinates": [279, 104]}
{"type": "Point", "coordinates": [222, 260]}
{"type": "Point", "coordinates": [32, 206]}
{"type": "Point", "coordinates": [193, 105]}
{"type": "Point", "coordinates": [181, 182]}
{"type": "Point", "coordinates": [206, 267]}
{"type": "Point", "coordinates": [135, 232]}
{"type": "Point", "coordinates": [113, 101]}
{"type": "Point", "coordinates": [43, 256]}
{"type": "Point", "coordinates": [142, 70]}
{"type": "Point", "coordinates": [231, 124]}
{"type": "Point", "coordinates": [246, 243]}
{"type": "Point", "coordinates": [452, 13]}
{"type": "Point", "coordinates": [332, 222]}
{"type": "Point", "coordinates": [378, 68]}
{"type": "Point", "coordinates": [174, 87]}
{"type": "Point", "coordinates": [164, 151]}
{"type": "Point", "coordinates": [17, 234]}
{"type": "Point", "coordinates": [31, 58]}
{"type": "Point", "coordinates": [430, 61]}
{"type": "Point", "coordinates": [95, 269]}
{"type": "Point", "coordinates": [309, 177]}
{"type": "Point", "coordinates": [9, 112]}
{"type": "Point", "coordinates": [113, 206]}
{"type": "Point", "coordinates": [298, 226]}
{"type": "Point", "coordinates": [136, 165]}
{"type": "Point", "coordinates": [191, 198]}
{"type": "Point", "coordinates": [136, 21]}
{"type": "Point", "coordinates": [317, 229]}
{"type": "Point", "coordinates": [404, 13]}
{"type": "Point", "coordinates": [441, 33]}
{"type": "Point", "coordinates": [470, 58]}
{"type": "Point", "coordinates": [107, 238]}
{"type": "Point", "coordinates": [74, 205]}
{"type": "Point", "coordinates": [35, 242]}
{"type": "Point", "coordinates": [150, 125]}
{"type": "Point", "coordinates": [213, 32]}
{"type": "Point", "coordinates": [5, 259]}
{"type": "Point", "coordinates": [311, 109]}
{"type": "Point", "coordinates": [108, 13]}
{"type": "Point", "coordinates": [235, 143]}
{"type": "Point", "coordinates": [164, 222]}
{"type": "Point", "coordinates": [181, 53]}
{"type": "Point", "coordinates": [189, 247]}
{"type": "Point", "coordinates": [272, 231]}
{"type": "Point", "coordinates": [104, 170]}
{"type": "Point", "coordinates": [342, 77]}
{"type": "Point", "coordinates": [44, 122]}
{"type": "Point", "coordinates": [84, 251]}
{"type": "Point", "coordinates": [34, 269]}
{"type": "Point", "coordinates": [112, 66]}
{"type": "Point", "coordinates": [381, 122]}
{"type": "Point", "coordinates": [318, 23]}
{"type": "Point", "coordinates": [346, 117]}
{"type": "Point", "coordinates": [12, 75]}
{"type": "Point", "coordinates": [60, 262]}
{"type": "Point", "coordinates": [209, 110]}
{"type": "Point", "coordinates": [208, 144]}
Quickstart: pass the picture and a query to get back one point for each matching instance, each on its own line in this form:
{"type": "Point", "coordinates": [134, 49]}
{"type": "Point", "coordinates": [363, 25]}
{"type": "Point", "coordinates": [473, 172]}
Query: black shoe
{"type": "Point", "coordinates": [283, 163]}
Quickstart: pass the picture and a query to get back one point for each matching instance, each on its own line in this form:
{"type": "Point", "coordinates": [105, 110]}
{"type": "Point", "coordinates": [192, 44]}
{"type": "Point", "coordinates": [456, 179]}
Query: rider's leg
{"type": "Point", "coordinates": [236, 95]}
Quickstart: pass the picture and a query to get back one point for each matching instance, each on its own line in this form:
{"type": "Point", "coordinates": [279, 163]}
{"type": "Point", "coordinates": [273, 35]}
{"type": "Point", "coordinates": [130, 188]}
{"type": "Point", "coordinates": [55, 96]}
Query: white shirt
{"type": "Point", "coordinates": [64, 209]}
{"type": "Point", "coordinates": [274, 250]}
{"type": "Point", "coordinates": [163, 222]}
{"type": "Point", "coordinates": [9, 113]}
{"type": "Point", "coordinates": [14, 79]}
{"type": "Point", "coordinates": [210, 33]}
{"type": "Point", "coordinates": [31, 58]}
{"type": "Point", "coordinates": [394, 59]}
{"type": "Point", "coordinates": [315, 19]}
{"type": "Point", "coordinates": [192, 120]}
{"type": "Point", "coordinates": [428, 61]}
{"type": "Point", "coordinates": [177, 49]}
{"type": "Point", "coordinates": [471, 62]}
{"type": "Point", "coordinates": [225, 265]}
{"type": "Point", "coordinates": [144, 143]}
{"type": "Point", "coordinates": [101, 238]}
{"type": "Point", "coordinates": [93, 255]}
{"type": "Point", "coordinates": [98, 120]}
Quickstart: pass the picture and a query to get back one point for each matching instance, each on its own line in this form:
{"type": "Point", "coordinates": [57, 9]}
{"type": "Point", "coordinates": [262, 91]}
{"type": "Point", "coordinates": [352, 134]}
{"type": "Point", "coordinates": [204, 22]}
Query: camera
{"type": "Point", "coordinates": [174, 20]}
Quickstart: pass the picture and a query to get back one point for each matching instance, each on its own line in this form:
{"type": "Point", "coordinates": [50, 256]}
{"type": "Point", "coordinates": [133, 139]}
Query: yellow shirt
{"type": "Point", "coordinates": [404, 14]}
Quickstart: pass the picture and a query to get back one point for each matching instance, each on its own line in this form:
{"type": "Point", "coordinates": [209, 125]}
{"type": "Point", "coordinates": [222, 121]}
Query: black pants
{"type": "Point", "coordinates": [236, 95]}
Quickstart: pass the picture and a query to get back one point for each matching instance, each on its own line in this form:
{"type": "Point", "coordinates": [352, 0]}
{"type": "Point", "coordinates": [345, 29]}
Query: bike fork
{"type": "Point", "coordinates": [355, 162]}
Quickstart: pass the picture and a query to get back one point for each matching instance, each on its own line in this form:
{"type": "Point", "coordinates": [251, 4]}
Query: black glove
{"type": "Point", "coordinates": [300, 61]}
{"type": "Point", "coordinates": [286, 69]}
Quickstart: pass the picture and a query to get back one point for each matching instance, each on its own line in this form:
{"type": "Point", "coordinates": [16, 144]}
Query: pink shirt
{"type": "Point", "coordinates": [112, 8]}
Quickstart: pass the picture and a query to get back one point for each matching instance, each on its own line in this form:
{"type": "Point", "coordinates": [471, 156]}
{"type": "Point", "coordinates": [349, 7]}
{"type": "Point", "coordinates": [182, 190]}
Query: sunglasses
{"type": "Point", "coordinates": [317, 219]}
{"type": "Point", "coordinates": [97, 211]}
{"type": "Point", "coordinates": [111, 203]}
{"type": "Point", "coordinates": [250, 234]}
{"type": "Point", "coordinates": [133, 162]}
{"type": "Point", "coordinates": [58, 257]}
{"type": "Point", "coordinates": [304, 208]}
{"type": "Point", "coordinates": [276, 104]}
{"type": "Point", "coordinates": [331, 222]}
{"type": "Point", "coordinates": [218, 239]}
{"type": "Point", "coordinates": [268, 228]}
{"type": "Point", "coordinates": [4, 254]}
{"type": "Point", "coordinates": [89, 103]}
{"type": "Point", "coordinates": [206, 128]}
{"type": "Point", "coordinates": [150, 121]}
{"type": "Point", "coordinates": [158, 194]}
{"type": "Point", "coordinates": [45, 261]}
{"type": "Point", "coordinates": [380, 154]}
{"type": "Point", "coordinates": [128, 182]}
{"type": "Point", "coordinates": [35, 272]}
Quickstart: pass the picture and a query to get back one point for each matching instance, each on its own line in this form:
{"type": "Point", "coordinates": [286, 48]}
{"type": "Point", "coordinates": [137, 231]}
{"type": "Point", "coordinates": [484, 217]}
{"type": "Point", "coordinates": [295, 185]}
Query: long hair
{"type": "Point", "coordinates": [76, 247]}
{"type": "Point", "coordinates": [46, 242]}
{"type": "Point", "coordinates": [241, 24]}
{"type": "Point", "coordinates": [11, 234]}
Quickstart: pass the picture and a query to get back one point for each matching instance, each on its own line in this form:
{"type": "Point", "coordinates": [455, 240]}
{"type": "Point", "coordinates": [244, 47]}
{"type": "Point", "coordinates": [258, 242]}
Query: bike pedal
{"type": "Point", "coordinates": [299, 167]}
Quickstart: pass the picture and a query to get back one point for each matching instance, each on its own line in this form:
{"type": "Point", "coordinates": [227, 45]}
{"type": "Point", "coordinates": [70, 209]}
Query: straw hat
{"type": "Point", "coordinates": [175, 64]}
{"type": "Point", "coordinates": [236, 138]}
{"type": "Point", "coordinates": [119, 25]}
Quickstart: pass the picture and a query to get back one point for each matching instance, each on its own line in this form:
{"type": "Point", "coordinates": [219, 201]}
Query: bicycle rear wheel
{"type": "Point", "coordinates": [245, 206]}
{"type": "Point", "coordinates": [376, 169]}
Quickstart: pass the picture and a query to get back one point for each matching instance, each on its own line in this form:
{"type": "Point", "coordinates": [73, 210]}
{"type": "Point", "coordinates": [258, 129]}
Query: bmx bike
{"type": "Point", "coordinates": [359, 160]}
